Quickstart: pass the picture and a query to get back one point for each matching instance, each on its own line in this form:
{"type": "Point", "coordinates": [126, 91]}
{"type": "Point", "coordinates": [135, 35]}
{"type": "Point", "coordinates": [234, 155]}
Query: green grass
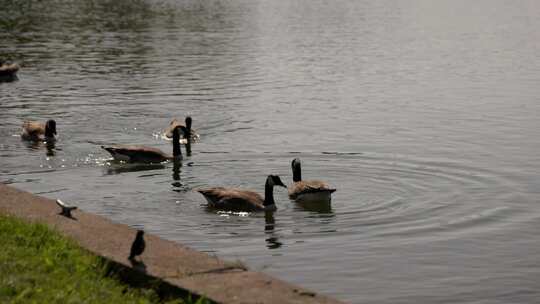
{"type": "Point", "coordinates": [38, 265]}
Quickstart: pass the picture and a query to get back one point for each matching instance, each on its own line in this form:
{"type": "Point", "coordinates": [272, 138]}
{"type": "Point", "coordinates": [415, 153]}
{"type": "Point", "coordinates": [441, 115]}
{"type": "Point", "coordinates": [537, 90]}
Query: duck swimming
{"type": "Point", "coordinates": [186, 129]}
{"type": "Point", "coordinates": [145, 154]}
{"type": "Point", "coordinates": [234, 199]}
{"type": "Point", "coordinates": [309, 190]}
{"type": "Point", "coordinates": [35, 130]}
{"type": "Point", "coordinates": [8, 72]}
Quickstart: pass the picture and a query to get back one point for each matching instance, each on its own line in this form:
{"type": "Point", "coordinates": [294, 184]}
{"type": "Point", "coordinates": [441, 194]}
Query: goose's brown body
{"type": "Point", "coordinates": [234, 199]}
{"type": "Point", "coordinates": [185, 127]}
{"type": "Point", "coordinates": [35, 130]}
{"type": "Point", "coordinates": [309, 186]}
{"type": "Point", "coordinates": [145, 154]}
{"type": "Point", "coordinates": [137, 154]}
{"type": "Point", "coordinates": [308, 190]}
{"type": "Point", "coordinates": [8, 72]}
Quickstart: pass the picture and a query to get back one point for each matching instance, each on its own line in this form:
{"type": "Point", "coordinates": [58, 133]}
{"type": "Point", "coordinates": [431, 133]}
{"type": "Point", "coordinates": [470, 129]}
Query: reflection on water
{"type": "Point", "coordinates": [269, 221]}
{"type": "Point", "coordinates": [273, 243]}
{"type": "Point", "coordinates": [423, 115]}
{"type": "Point", "coordinates": [188, 148]}
{"type": "Point", "coordinates": [324, 207]}
{"type": "Point", "coordinates": [98, 15]}
{"type": "Point", "coordinates": [48, 145]}
{"type": "Point", "coordinates": [118, 167]}
{"type": "Point", "coordinates": [272, 240]}
{"type": "Point", "coordinates": [177, 164]}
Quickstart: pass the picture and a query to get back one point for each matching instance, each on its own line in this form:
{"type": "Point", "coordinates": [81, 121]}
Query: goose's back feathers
{"type": "Point", "coordinates": [310, 188]}
{"type": "Point", "coordinates": [174, 123]}
{"type": "Point", "coordinates": [138, 154]}
{"type": "Point", "coordinates": [8, 72]}
{"type": "Point", "coordinates": [33, 129]}
{"type": "Point", "coordinates": [6, 69]}
{"type": "Point", "coordinates": [168, 132]}
{"type": "Point", "coordinates": [232, 199]}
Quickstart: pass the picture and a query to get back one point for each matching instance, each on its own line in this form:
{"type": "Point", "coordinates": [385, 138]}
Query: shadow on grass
{"type": "Point", "coordinates": [137, 277]}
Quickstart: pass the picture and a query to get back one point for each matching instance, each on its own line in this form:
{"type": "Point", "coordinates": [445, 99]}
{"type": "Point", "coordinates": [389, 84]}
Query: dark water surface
{"type": "Point", "coordinates": [424, 115]}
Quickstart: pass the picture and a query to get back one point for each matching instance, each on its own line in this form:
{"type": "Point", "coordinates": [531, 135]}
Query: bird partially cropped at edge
{"type": "Point", "coordinates": [193, 136]}
{"type": "Point", "coordinates": [310, 190]}
{"type": "Point", "coordinates": [35, 130]}
{"type": "Point", "coordinates": [234, 199]}
{"type": "Point", "coordinates": [8, 72]}
{"type": "Point", "coordinates": [144, 154]}
{"type": "Point", "coordinates": [138, 245]}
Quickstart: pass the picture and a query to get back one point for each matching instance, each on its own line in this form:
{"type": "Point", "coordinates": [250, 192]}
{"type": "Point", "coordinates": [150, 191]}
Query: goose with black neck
{"type": "Point", "coordinates": [240, 200]}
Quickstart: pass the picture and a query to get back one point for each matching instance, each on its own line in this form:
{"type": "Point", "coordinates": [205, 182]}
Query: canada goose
{"type": "Point", "coordinates": [186, 129]}
{"type": "Point", "coordinates": [310, 190]}
{"type": "Point", "coordinates": [35, 130]}
{"type": "Point", "coordinates": [144, 154]}
{"type": "Point", "coordinates": [234, 199]}
{"type": "Point", "coordinates": [8, 72]}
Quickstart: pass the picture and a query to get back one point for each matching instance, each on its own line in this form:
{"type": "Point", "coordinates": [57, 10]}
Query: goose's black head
{"type": "Point", "coordinates": [188, 122]}
{"type": "Point", "coordinates": [274, 180]}
{"type": "Point", "coordinates": [140, 233]}
{"type": "Point", "coordinates": [50, 128]}
{"type": "Point", "coordinates": [297, 172]}
{"type": "Point", "coordinates": [271, 181]}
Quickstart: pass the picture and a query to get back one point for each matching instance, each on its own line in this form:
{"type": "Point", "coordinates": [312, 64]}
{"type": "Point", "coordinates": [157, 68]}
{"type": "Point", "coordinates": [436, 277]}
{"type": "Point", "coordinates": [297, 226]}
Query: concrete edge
{"type": "Point", "coordinates": [175, 264]}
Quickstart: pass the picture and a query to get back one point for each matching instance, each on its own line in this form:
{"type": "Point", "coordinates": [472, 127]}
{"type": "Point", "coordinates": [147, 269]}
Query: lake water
{"type": "Point", "coordinates": [423, 114]}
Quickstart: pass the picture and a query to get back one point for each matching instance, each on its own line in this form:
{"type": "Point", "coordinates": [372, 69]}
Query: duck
{"type": "Point", "coordinates": [309, 190]}
{"type": "Point", "coordinates": [239, 200]}
{"type": "Point", "coordinates": [35, 130]}
{"type": "Point", "coordinates": [186, 126]}
{"type": "Point", "coordinates": [145, 154]}
{"type": "Point", "coordinates": [8, 72]}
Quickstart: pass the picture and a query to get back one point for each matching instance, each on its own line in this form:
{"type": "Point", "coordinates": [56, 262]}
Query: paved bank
{"type": "Point", "coordinates": [178, 265]}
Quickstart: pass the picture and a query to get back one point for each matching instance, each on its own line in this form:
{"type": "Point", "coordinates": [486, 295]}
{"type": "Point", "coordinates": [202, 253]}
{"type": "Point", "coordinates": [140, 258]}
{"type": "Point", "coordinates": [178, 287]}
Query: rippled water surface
{"type": "Point", "coordinates": [423, 114]}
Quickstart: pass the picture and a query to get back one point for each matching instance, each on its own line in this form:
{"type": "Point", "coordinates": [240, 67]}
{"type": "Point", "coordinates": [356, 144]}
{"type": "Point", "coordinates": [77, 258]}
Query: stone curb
{"type": "Point", "coordinates": [178, 265]}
